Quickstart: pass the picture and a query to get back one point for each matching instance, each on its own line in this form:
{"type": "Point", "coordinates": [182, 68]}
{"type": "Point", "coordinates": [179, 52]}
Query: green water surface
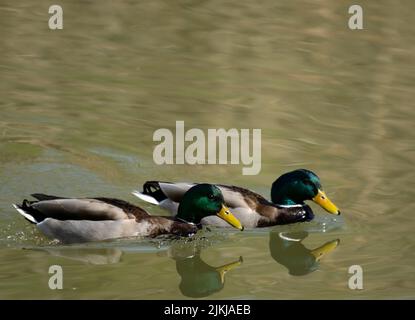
{"type": "Point", "coordinates": [79, 107]}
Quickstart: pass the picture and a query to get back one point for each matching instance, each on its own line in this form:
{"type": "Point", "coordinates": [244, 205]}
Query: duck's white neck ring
{"type": "Point", "coordinates": [185, 221]}
{"type": "Point", "coordinates": [290, 205]}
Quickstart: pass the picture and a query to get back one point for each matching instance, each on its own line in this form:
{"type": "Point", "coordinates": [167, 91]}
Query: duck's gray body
{"type": "Point", "coordinates": [94, 219]}
{"type": "Point", "coordinates": [77, 231]}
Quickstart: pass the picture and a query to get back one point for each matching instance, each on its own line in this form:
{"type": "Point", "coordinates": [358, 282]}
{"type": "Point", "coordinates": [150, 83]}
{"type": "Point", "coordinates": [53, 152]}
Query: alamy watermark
{"type": "Point", "coordinates": [172, 148]}
{"type": "Point", "coordinates": [56, 280]}
{"type": "Point", "coordinates": [56, 18]}
{"type": "Point", "coordinates": [356, 280]}
{"type": "Point", "coordinates": [356, 20]}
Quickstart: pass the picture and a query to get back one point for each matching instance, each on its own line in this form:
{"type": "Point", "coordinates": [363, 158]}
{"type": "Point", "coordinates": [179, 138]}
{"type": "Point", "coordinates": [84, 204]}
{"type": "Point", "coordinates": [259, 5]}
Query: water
{"type": "Point", "coordinates": [79, 107]}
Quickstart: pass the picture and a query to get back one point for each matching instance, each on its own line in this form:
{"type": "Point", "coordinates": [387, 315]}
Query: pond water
{"type": "Point", "coordinates": [79, 107]}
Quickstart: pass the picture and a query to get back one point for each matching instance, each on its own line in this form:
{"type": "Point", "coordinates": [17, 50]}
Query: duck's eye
{"type": "Point", "coordinates": [307, 182]}
{"type": "Point", "coordinates": [211, 196]}
{"type": "Point", "coordinates": [311, 184]}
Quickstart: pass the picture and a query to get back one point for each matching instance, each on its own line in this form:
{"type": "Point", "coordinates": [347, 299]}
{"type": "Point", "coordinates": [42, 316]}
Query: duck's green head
{"type": "Point", "coordinates": [297, 186]}
{"type": "Point", "coordinates": [204, 200]}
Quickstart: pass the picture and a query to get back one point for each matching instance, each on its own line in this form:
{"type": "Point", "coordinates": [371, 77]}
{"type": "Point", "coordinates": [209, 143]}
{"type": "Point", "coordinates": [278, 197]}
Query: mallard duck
{"type": "Point", "coordinates": [288, 194]}
{"type": "Point", "coordinates": [287, 249]}
{"type": "Point", "coordinates": [72, 220]}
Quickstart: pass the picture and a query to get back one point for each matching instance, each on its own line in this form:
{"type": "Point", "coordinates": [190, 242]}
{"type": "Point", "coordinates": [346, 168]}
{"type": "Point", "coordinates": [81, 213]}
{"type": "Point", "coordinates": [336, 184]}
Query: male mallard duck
{"type": "Point", "coordinates": [73, 220]}
{"type": "Point", "coordinates": [288, 194]}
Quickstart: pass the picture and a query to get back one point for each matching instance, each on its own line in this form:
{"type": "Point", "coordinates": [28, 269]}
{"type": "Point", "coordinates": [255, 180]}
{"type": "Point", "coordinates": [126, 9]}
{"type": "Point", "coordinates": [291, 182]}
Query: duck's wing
{"type": "Point", "coordinates": [94, 209]}
{"type": "Point", "coordinates": [237, 197]}
{"type": "Point", "coordinates": [132, 211]}
{"type": "Point", "coordinates": [42, 196]}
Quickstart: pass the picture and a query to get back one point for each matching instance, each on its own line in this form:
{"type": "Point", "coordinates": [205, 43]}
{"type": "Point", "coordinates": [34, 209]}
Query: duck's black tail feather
{"type": "Point", "coordinates": [152, 188]}
{"type": "Point", "coordinates": [28, 212]}
{"type": "Point", "coordinates": [42, 196]}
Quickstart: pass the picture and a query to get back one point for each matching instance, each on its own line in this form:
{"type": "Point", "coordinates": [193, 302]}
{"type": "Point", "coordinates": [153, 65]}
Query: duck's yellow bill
{"type": "Point", "coordinates": [322, 200]}
{"type": "Point", "coordinates": [225, 268]}
{"type": "Point", "coordinates": [227, 215]}
{"type": "Point", "coordinates": [320, 252]}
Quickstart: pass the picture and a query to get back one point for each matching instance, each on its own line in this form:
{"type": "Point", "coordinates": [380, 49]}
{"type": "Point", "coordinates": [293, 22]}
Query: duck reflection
{"type": "Point", "coordinates": [287, 249]}
{"type": "Point", "coordinates": [95, 256]}
{"type": "Point", "coordinates": [199, 279]}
